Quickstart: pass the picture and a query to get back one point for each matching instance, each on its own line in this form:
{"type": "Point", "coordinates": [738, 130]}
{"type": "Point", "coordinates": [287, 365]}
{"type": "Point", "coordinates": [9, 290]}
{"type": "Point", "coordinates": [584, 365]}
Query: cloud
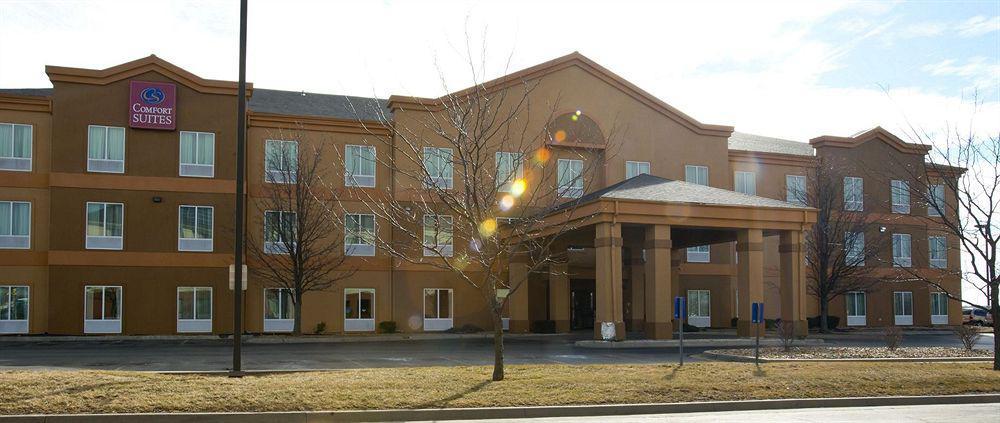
{"type": "Point", "coordinates": [981, 72]}
{"type": "Point", "coordinates": [978, 25]}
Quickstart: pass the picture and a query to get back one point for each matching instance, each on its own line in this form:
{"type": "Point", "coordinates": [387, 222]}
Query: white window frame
{"type": "Point", "coordinates": [502, 294]}
{"type": "Point", "coordinates": [696, 174]}
{"type": "Point", "coordinates": [900, 194]}
{"type": "Point", "coordinates": [574, 187]}
{"type": "Point", "coordinates": [359, 324]}
{"type": "Point", "coordinates": [8, 325]}
{"type": "Point", "coordinates": [107, 165]}
{"type": "Point", "coordinates": [103, 325]}
{"type": "Point", "coordinates": [195, 170]}
{"type": "Point", "coordinates": [359, 250]}
{"type": "Point", "coordinates": [16, 242]}
{"type": "Point", "coordinates": [898, 243]}
{"type": "Point", "coordinates": [854, 193]}
{"type": "Point", "coordinates": [699, 316]}
{"type": "Point", "coordinates": [937, 318]}
{"type": "Point", "coordinates": [935, 195]}
{"type": "Point", "coordinates": [195, 244]}
{"type": "Point", "coordinates": [195, 325]}
{"type": "Point", "coordinates": [279, 325]}
{"type": "Point", "coordinates": [103, 242]}
{"type": "Point", "coordinates": [281, 246]}
{"type": "Point", "coordinates": [516, 160]}
{"type": "Point", "coordinates": [749, 183]}
{"type": "Point", "coordinates": [796, 194]}
{"type": "Point", "coordinates": [18, 164]}
{"type": "Point", "coordinates": [904, 319]}
{"type": "Point", "coordinates": [279, 175]}
{"type": "Point", "coordinates": [439, 181]}
{"type": "Point", "coordinates": [856, 319]}
{"type": "Point", "coordinates": [431, 250]}
{"type": "Point", "coordinates": [854, 245]}
{"type": "Point", "coordinates": [358, 180]}
{"type": "Point", "coordinates": [438, 324]}
{"type": "Point", "coordinates": [699, 254]}
{"type": "Point", "coordinates": [939, 262]}
{"type": "Point", "coordinates": [640, 168]}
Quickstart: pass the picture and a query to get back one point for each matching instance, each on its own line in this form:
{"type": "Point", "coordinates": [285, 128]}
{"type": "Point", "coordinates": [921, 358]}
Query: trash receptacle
{"type": "Point", "coordinates": [608, 331]}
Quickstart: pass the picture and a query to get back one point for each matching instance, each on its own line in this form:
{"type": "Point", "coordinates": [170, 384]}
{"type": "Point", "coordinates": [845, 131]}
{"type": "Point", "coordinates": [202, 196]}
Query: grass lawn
{"type": "Point", "coordinates": [27, 392]}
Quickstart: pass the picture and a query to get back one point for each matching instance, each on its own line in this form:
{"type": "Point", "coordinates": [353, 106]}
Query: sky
{"type": "Point", "coordinates": [793, 70]}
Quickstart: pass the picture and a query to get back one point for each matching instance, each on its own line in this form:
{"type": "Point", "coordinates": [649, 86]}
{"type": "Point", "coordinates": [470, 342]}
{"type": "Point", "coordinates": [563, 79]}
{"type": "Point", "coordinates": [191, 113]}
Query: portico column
{"type": "Point", "coordinates": [749, 276]}
{"type": "Point", "coordinates": [638, 271]}
{"type": "Point", "coordinates": [559, 307]}
{"type": "Point", "coordinates": [518, 301]}
{"type": "Point", "coordinates": [608, 275]}
{"type": "Point", "coordinates": [659, 304]}
{"type": "Point", "coordinates": [793, 281]}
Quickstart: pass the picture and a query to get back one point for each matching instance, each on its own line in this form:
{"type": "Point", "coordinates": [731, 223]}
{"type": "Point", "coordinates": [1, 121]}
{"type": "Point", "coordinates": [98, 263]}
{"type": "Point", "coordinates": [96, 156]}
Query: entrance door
{"type": "Point", "coordinates": [583, 304]}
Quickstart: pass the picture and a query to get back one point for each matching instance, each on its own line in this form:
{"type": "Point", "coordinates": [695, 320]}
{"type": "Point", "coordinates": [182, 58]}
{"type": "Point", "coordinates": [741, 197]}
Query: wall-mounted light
{"type": "Point", "coordinates": [881, 229]}
{"type": "Point", "coordinates": [157, 199]}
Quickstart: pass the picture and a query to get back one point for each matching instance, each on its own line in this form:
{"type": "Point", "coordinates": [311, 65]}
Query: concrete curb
{"type": "Point", "coordinates": [511, 412]}
{"type": "Point", "coordinates": [274, 339]}
{"type": "Point", "coordinates": [722, 356]}
{"type": "Point", "coordinates": [696, 343]}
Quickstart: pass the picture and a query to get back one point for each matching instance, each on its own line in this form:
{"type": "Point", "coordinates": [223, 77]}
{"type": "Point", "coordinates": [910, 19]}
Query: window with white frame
{"type": "Point", "coordinates": [14, 302]}
{"type": "Point", "coordinates": [900, 196]}
{"type": "Point", "coordinates": [854, 193]}
{"type": "Point", "coordinates": [935, 196]}
{"type": "Point", "coordinates": [279, 231]}
{"type": "Point", "coordinates": [102, 311]}
{"type": "Point", "coordinates": [939, 308]}
{"type": "Point", "coordinates": [502, 294]}
{"type": "Point", "coordinates": [105, 149]}
{"type": "Point", "coordinates": [359, 309]}
{"type": "Point", "coordinates": [194, 309]}
{"type": "Point", "coordinates": [359, 166]}
{"type": "Point", "coordinates": [795, 189]}
{"type": "Point", "coordinates": [633, 169]}
{"type": "Point", "coordinates": [438, 235]}
{"type": "Point", "coordinates": [937, 251]}
{"type": "Point", "coordinates": [194, 228]}
{"type": "Point", "coordinates": [699, 305]}
{"type": "Point", "coordinates": [15, 224]}
{"type": "Point", "coordinates": [901, 253]}
{"type": "Point", "coordinates": [438, 309]}
{"type": "Point", "coordinates": [439, 167]}
{"type": "Point", "coordinates": [105, 226]}
{"type": "Point", "coordinates": [902, 306]}
{"type": "Point", "coordinates": [570, 178]}
{"type": "Point", "coordinates": [857, 308]}
{"type": "Point", "coordinates": [696, 174]}
{"type": "Point", "coordinates": [197, 154]}
{"type": "Point", "coordinates": [746, 182]}
{"type": "Point", "coordinates": [279, 310]}
{"type": "Point", "coordinates": [854, 247]}
{"type": "Point", "coordinates": [281, 161]}
{"type": "Point", "coordinates": [699, 254]}
{"type": "Point", "coordinates": [359, 234]}
{"type": "Point", "coordinates": [510, 167]}
{"type": "Point", "coordinates": [15, 147]}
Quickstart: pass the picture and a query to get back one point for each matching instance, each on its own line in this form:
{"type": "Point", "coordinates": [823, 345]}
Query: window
{"type": "Point", "coordinates": [359, 310]}
{"type": "Point", "coordinates": [15, 147]}
{"type": "Point", "coordinates": [696, 174]}
{"type": "Point", "coordinates": [438, 235]}
{"type": "Point", "coordinates": [853, 194]}
{"type": "Point", "coordinates": [194, 309]}
{"type": "Point", "coordinates": [795, 189]}
{"type": "Point", "coordinates": [633, 169]}
{"type": "Point", "coordinates": [437, 309]}
{"type": "Point", "coordinates": [902, 306]}
{"type": "Point", "coordinates": [938, 251]}
{"type": "Point", "coordinates": [699, 305]}
{"type": "Point", "coordinates": [570, 178]}
{"type": "Point", "coordinates": [510, 167]}
{"type": "Point", "coordinates": [359, 166]}
{"type": "Point", "coordinates": [854, 246]}
{"type": "Point", "coordinates": [699, 254]}
{"type": "Point", "coordinates": [746, 182]}
{"type": "Point", "coordinates": [359, 235]}
{"type": "Point", "coordinates": [279, 232]}
{"type": "Point", "coordinates": [105, 149]}
{"type": "Point", "coordinates": [15, 224]}
{"type": "Point", "coordinates": [939, 308]}
{"type": "Point", "coordinates": [194, 229]}
{"type": "Point", "coordinates": [105, 226]}
{"type": "Point", "coordinates": [438, 165]}
{"type": "Point", "coordinates": [197, 154]}
{"type": "Point", "coordinates": [857, 308]}
{"type": "Point", "coordinates": [102, 309]}
{"type": "Point", "coordinates": [13, 309]}
{"type": "Point", "coordinates": [936, 203]}
{"type": "Point", "coordinates": [502, 294]}
{"type": "Point", "coordinates": [901, 256]}
{"type": "Point", "coordinates": [900, 197]}
{"type": "Point", "coordinates": [279, 310]}
{"type": "Point", "coordinates": [281, 161]}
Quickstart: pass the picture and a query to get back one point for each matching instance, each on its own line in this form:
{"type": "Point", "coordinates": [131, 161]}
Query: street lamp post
{"type": "Point", "coordinates": [241, 119]}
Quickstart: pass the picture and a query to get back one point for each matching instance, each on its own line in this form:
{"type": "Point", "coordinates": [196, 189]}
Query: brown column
{"type": "Point", "coordinates": [637, 301]}
{"type": "Point", "coordinates": [749, 276]}
{"type": "Point", "coordinates": [608, 275]}
{"type": "Point", "coordinates": [559, 295]}
{"type": "Point", "coordinates": [518, 301]}
{"type": "Point", "coordinates": [793, 281]}
{"type": "Point", "coordinates": [659, 304]}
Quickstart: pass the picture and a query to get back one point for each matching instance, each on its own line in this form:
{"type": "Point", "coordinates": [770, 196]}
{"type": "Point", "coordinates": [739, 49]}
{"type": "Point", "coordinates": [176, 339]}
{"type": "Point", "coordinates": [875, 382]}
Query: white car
{"type": "Point", "coordinates": [977, 317]}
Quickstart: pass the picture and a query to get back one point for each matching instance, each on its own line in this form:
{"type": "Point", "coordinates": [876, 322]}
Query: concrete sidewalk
{"type": "Point", "coordinates": [277, 339]}
{"type": "Point", "coordinates": [692, 343]}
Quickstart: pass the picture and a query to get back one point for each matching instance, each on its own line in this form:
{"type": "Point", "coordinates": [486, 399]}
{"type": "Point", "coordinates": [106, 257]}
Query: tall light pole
{"type": "Point", "coordinates": [241, 127]}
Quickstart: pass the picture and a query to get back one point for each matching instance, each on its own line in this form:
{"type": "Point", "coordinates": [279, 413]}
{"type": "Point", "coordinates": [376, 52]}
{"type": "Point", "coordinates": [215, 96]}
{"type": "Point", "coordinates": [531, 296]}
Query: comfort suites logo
{"type": "Point", "coordinates": [152, 105]}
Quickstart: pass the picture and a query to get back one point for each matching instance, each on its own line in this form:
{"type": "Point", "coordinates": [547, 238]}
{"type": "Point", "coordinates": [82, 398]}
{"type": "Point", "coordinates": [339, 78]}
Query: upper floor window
{"type": "Point", "coordinates": [696, 174]}
{"type": "Point", "coordinates": [15, 147]}
{"type": "Point", "coordinates": [901, 255]}
{"type": "Point", "coordinates": [746, 182]}
{"type": "Point", "coordinates": [439, 167]}
{"type": "Point", "coordinates": [510, 167]}
{"type": "Point", "coordinates": [281, 161]}
{"type": "Point", "coordinates": [359, 166]}
{"type": "Point", "coordinates": [900, 197]}
{"type": "Point", "coordinates": [935, 196]}
{"type": "Point", "coordinates": [15, 224]}
{"type": "Point", "coordinates": [699, 254]}
{"type": "Point", "coordinates": [438, 235]}
{"type": "Point", "coordinates": [359, 234]}
{"type": "Point", "coordinates": [194, 229]}
{"type": "Point", "coordinates": [105, 222]}
{"type": "Point", "coordinates": [633, 169]}
{"type": "Point", "coordinates": [105, 149]}
{"type": "Point", "coordinates": [279, 232]}
{"type": "Point", "coordinates": [570, 178]}
{"type": "Point", "coordinates": [795, 189]}
{"type": "Point", "coordinates": [853, 193]}
{"type": "Point", "coordinates": [938, 251]}
{"type": "Point", "coordinates": [854, 248]}
{"type": "Point", "coordinates": [197, 154]}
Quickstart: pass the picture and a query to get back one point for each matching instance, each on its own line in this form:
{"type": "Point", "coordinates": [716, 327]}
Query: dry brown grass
{"type": "Point", "coordinates": [427, 387]}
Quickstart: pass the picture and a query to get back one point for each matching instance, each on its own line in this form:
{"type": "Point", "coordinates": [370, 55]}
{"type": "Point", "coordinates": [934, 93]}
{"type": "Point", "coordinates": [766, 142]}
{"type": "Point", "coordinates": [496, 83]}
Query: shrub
{"type": "Point", "coordinates": [786, 333]}
{"type": "Point", "coordinates": [831, 321]}
{"type": "Point", "coordinates": [734, 322]}
{"type": "Point", "coordinates": [320, 328]}
{"type": "Point", "coordinates": [387, 326]}
{"type": "Point", "coordinates": [466, 328]}
{"type": "Point", "coordinates": [543, 326]}
{"type": "Point", "coordinates": [969, 336]}
{"type": "Point", "coordinates": [689, 328]}
{"type": "Point", "coordinates": [893, 337]}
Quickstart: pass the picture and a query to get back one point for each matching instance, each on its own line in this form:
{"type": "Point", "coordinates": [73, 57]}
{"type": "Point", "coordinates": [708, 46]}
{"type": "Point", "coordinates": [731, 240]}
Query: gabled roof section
{"type": "Point", "coordinates": [878, 133]}
{"type": "Point", "coordinates": [743, 141]}
{"type": "Point", "coordinates": [150, 63]}
{"type": "Point", "coordinates": [569, 60]}
{"type": "Point", "coordinates": [301, 103]}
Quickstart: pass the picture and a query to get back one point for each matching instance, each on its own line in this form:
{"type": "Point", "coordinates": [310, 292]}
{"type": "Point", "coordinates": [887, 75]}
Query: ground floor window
{"type": "Point", "coordinates": [14, 309]}
{"type": "Point", "coordinates": [359, 310]}
{"type": "Point", "coordinates": [857, 308]}
{"type": "Point", "coordinates": [502, 294]}
{"type": "Point", "coordinates": [438, 309]}
{"type": "Point", "coordinates": [902, 306]}
{"type": "Point", "coordinates": [939, 308]}
{"type": "Point", "coordinates": [102, 311]}
{"type": "Point", "coordinates": [699, 254]}
{"type": "Point", "coordinates": [194, 309]}
{"type": "Point", "coordinates": [699, 305]}
{"type": "Point", "coordinates": [279, 311]}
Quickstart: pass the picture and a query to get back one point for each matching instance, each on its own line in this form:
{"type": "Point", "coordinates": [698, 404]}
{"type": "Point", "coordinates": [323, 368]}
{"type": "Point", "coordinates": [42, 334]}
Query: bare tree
{"type": "Point", "coordinates": [298, 249]}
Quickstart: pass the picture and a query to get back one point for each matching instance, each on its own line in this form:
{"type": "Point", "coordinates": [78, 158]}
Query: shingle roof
{"type": "Point", "coordinates": [750, 142]}
{"type": "Point", "coordinates": [35, 92]}
{"type": "Point", "coordinates": [322, 105]}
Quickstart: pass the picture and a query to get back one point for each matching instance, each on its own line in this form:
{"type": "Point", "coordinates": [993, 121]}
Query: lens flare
{"type": "Point", "coordinates": [542, 155]}
{"type": "Point", "coordinates": [506, 202]}
{"type": "Point", "coordinates": [560, 135]}
{"type": "Point", "coordinates": [488, 227]}
{"type": "Point", "coordinates": [518, 187]}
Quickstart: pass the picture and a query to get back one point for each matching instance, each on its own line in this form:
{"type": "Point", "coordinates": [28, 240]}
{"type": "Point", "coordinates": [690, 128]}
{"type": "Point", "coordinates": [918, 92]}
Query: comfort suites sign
{"type": "Point", "coordinates": [152, 105]}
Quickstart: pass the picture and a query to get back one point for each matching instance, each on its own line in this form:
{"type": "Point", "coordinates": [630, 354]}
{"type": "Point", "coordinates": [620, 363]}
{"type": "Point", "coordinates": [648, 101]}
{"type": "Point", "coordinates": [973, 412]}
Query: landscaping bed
{"type": "Point", "coordinates": [832, 353]}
